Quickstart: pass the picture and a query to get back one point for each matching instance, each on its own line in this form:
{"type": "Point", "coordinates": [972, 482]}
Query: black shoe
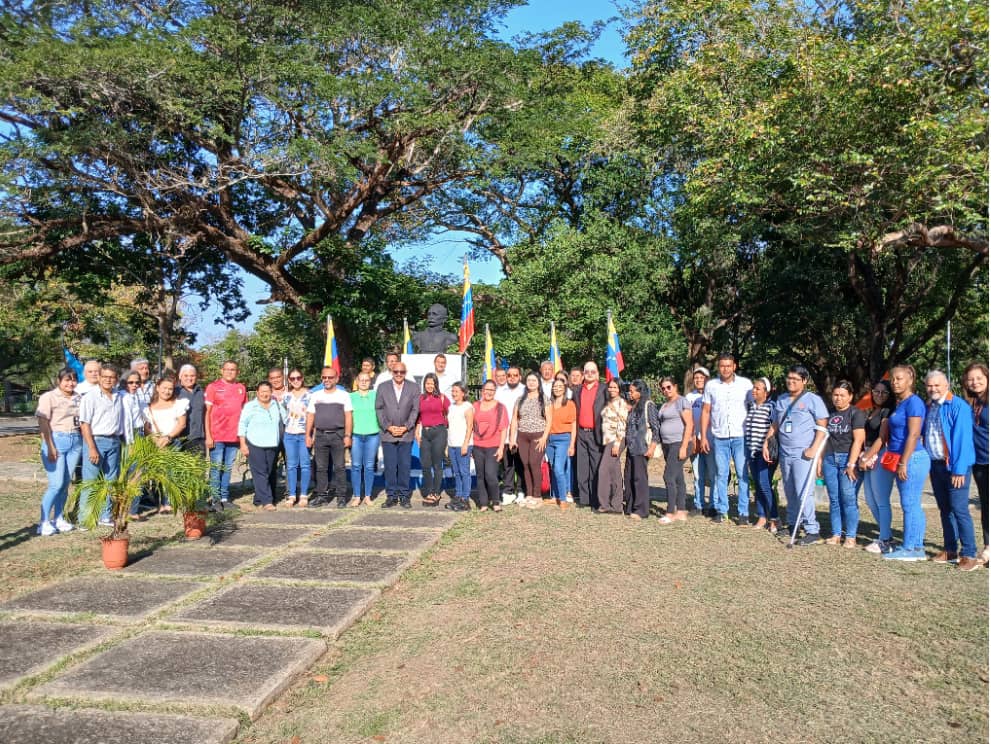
{"type": "Point", "coordinates": [390, 502]}
{"type": "Point", "coordinates": [695, 513]}
{"type": "Point", "coordinates": [342, 503]}
{"type": "Point", "coordinates": [743, 521]}
{"type": "Point", "coordinates": [783, 531]}
{"type": "Point", "coordinates": [229, 506]}
{"type": "Point", "coordinates": [711, 513]}
{"type": "Point", "coordinates": [318, 500]}
{"type": "Point", "coordinates": [807, 540]}
{"type": "Point", "coordinates": [719, 518]}
{"type": "Point", "coordinates": [405, 503]}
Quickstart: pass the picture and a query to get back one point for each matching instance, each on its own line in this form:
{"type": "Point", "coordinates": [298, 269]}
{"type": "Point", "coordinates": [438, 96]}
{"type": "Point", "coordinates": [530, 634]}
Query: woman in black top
{"type": "Point", "coordinates": [838, 466]}
{"type": "Point", "coordinates": [878, 500]}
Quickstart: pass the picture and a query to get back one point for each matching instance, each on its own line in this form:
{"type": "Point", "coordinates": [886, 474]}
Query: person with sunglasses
{"type": "Point", "coordinates": [397, 407]}
{"type": "Point", "coordinates": [329, 424]}
{"type": "Point", "coordinates": [134, 406]}
{"type": "Point", "coordinates": [295, 401]}
{"type": "Point", "coordinates": [676, 428]}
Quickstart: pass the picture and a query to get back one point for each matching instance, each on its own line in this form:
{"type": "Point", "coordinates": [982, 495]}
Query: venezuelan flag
{"type": "Point", "coordinates": [330, 358]}
{"type": "Point", "coordinates": [467, 329]}
{"type": "Point", "coordinates": [407, 339]}
{"type": "Point", "coordinates": [614, 357]}
{"type": "Point", "coordinates": [488, 369]}
{"type": "Point", "coordinates": [555, 356]}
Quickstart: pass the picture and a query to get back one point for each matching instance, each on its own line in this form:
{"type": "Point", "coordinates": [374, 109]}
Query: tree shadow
{"type": "Point", "coordinates": [11, 539]}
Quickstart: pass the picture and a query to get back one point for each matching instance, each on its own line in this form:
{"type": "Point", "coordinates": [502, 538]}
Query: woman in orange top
{"type": "Point", "coordinates": [561, 443]}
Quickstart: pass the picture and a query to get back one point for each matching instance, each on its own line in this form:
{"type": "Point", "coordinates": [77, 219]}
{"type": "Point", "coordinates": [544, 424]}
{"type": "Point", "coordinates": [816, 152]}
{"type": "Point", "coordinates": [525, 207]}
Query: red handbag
{"type": "Point", "coordinates": [545, 476]}
{"type": "Point", "coordinates": [890, 460]}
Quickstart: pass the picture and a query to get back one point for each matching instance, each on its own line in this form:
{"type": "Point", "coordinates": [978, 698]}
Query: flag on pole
{"type": "Point", "coordinates": [488, 369]}
{"type": "Point", "coordinates": [72, 361]}
{"type": "Point", "coordinates": [285, 371]}
{"type": "Point", "coordinates": [407, 340]}
{"type": "Point", "coordinates": [555, 351]}
{"type": "Point", "coordinates": [614, 357]}
{"type": "Point", "coordinates": [467, 329]}
{"type": "Point", "coordinates": [330, 358]}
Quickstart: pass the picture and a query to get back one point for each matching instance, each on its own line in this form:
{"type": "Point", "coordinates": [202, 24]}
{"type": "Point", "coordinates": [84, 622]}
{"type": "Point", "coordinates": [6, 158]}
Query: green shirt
{"type": "Point", "coordinates": [365, 420]}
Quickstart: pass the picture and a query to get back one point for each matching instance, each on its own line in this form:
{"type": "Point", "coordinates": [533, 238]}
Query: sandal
{"type": "Point", "coordinates": [301, 503]}
{"type": "Point", "coordinates": [431, 499]}
{"type": "Point", "coordinates": [269, 507]}
{"type": "Point", "coordinates": [367, 501]}
{"type": "Point", "coordinates": [165, 510]}
{"type": "Point", "coordinates": [497, 508]}
{"type": "Point", "coordinates": [484, 508]}
{"type": "Point", "coordinates": [355, 501]}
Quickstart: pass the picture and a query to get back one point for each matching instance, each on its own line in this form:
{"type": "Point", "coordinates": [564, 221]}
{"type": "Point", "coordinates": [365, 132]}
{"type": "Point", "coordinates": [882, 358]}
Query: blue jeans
{"type": "Point", "coordinates": [954, 510]}
{"type": "Point", "coordinates": [297, 465]}
{"type": "Point", "coordinates": [461, 467]}
{"type": "Point", "coordinates": [844, 514]}
{"type": "Point", "coordinates": [364, 448]}
{"type": "Point", "coordinates": [726, 448]}
{"type": "Point", "coordinates": [69, 448]}
{"type": "Point", "coordinates": [762, 472]}
{"type": "Point", "coordinates": [795, 471]}
{"type": "Point", "coordinates": [109, 465]}
{"type": "Point", "coordinates": [877, 494]}
{"type": "Point", "coordinates": [557, 457]}
{"type": "Point", "coordinates": [222, 458]}
{"type": "Point", "coordinates": [703, 470]}
{"type": "Point", "coordinates": [910, 495]}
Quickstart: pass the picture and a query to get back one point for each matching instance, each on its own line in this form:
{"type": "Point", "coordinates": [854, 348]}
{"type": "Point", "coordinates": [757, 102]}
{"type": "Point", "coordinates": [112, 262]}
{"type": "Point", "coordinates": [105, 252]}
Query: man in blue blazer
{"type": "Point", "coordinates": [397, 405]}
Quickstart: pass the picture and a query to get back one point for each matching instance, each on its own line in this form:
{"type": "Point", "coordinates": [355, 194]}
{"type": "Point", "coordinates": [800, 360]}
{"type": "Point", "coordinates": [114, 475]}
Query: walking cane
{"type": "Point", "coordinates": [808, 482]}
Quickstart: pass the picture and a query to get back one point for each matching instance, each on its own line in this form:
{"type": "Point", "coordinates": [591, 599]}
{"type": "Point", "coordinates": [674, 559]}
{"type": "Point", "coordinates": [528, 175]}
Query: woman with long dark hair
{"type": "Point", "coordinates": [641, 422]}
{"type": "Point", "coordinates": [561, 443]}
{"type": "Point", "coordinates": [838, 467]}
{"type": "Point", "coordinates": [165, 420]}
{"type": "Point", "coordinates": [677, 433]}
{"type": "Point", "coordinates": [295, 401]}
{"type": "Point", "coordinates": [877, 481]}
{"type": "Point", "coordinates": [431, 435]}
{"type": "Point", "coordinates": [614, 415]}
{"type": "Point", "coordinates": [528, 432]}
{"type": "Point", "coordinates": [975, 386]}
{"type": "Point", "coordinates": [460, 423]}
{"type": "Point", "coordinates": [61, 449]}
{"type": "Point", "coordinates": [490, 425]}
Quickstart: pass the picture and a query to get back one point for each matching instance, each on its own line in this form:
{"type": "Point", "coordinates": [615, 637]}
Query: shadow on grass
{"type": "Point", "coordinates": [17, 537]}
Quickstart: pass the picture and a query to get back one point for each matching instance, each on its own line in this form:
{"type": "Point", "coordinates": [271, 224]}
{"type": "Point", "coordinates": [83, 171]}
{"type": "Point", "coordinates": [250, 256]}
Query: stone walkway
{"type": "Point", "coordinates": [190, 640]}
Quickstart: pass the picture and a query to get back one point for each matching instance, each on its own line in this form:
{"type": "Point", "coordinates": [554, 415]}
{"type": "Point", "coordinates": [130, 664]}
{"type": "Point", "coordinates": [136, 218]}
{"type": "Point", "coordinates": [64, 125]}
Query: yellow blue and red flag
{"type": "Point", "coordinates": [330, 358]}
{"type": "Point", "coordinates": [467, 329]}
{"type": "Point", "coordinates": [488, 368]}
{"type": "Point", "coordinates": [407, 340]}
{"type": "Point", "coordinates": [614, 357]}
{"type": "Point", "coordinates": [555, 356]}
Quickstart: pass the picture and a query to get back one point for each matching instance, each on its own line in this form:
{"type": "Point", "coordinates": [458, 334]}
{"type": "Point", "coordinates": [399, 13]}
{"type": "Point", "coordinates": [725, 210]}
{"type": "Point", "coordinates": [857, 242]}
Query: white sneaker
{"type": "Point", "coordinates": [520, 498]}
{"type": "Point", "coordinates": [873, 547]}
{"type": "Point", "coordinates": [507, 499]}
{"type": "Point", "coordinates": [63, 525]}
{"type": "Point", "coordinates": [47, 529]}
{"type": "Point", "coordinates": [106, 523]}
{"type": "Point", "coordinates": [985, 554]}
{"type": "Point", "coordinates": [569, 499]}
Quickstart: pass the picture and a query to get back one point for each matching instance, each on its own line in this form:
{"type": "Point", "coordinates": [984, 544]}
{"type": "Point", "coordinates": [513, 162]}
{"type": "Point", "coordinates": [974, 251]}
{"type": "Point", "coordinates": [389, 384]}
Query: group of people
{"type": "Point", "coordinates": [597, 438]}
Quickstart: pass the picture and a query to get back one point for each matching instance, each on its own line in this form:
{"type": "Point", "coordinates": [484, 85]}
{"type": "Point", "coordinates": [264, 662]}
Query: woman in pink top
{"type": "Point", "coordinates": [491, 422]}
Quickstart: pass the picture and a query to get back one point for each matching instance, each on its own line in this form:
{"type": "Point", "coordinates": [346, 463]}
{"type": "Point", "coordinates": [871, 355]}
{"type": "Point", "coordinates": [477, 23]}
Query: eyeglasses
{"type": "Point", "coordinates": [324, 377]}
{"type": "Point", "coordinates": [590, 372]}
{"type": "Point", "coordinates": [294, 378]}
{"type": "Point", "coordinates": [667, 387]}
{"type": "Point", "coordinates": [399, 371]}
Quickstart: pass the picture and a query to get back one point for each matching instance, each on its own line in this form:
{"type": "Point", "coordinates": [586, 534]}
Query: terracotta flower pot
{"type": "Point", "coordinates": [195, 524]}
{"type": "Point", "coordinates": [115, 552]}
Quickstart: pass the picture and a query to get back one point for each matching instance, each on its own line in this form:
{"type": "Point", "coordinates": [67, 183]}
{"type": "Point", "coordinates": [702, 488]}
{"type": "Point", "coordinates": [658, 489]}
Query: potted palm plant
{"type": "Point", "coordinates": [180, 476]}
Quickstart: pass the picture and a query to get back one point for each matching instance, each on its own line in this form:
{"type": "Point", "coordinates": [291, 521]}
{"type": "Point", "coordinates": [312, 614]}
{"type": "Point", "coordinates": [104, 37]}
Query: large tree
{"type": "Point", "coordinates": [280, 135]}
{"type": "Point", "coordinates": [838, 149]}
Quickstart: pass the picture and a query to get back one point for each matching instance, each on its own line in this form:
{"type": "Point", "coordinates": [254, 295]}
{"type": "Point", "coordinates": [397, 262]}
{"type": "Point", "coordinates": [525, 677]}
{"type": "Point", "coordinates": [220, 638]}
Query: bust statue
{"type": "Point", "coordinates": [434, 339]}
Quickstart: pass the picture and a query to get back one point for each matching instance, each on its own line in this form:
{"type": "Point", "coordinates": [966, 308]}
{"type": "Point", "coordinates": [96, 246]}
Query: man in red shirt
{"type": "Point", "coordinates": [224, 400]}
{"type": "Point", "coordinates": [590, 398]}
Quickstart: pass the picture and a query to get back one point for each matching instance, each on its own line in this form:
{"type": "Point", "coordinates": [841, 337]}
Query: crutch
{"type": "Point", "coordinates": [808, 482]}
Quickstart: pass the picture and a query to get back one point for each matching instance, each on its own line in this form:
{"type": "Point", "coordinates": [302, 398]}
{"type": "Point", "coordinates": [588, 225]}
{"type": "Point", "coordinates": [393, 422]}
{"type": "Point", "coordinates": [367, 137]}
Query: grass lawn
{"type": "Point", "coordinates": [537, 626]}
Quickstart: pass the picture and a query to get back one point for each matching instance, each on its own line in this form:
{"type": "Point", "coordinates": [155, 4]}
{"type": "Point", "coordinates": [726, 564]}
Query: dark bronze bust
{"type": "Point", "coordinates": [434, 339]}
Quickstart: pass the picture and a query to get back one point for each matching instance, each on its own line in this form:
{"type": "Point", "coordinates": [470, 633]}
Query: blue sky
{"type": "Point", "coordinates": [447, 251]}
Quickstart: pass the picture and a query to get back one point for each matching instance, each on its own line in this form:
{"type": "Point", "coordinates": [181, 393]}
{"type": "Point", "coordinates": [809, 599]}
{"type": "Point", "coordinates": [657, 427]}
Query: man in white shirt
{"type": "Point", "coordinates": [147, 386]}
{"type": "Point", "coordinates": [499, 375]}
{"type": "Point", "coordinates": [101, 421]}
{"type": "Point", "coordinates": [724, 406]}
{"type": "Point", "coordinates": [444, 380]}
{"type": "Point", "coordinates": [512, 466]}
{"type": "Point", "coordinates": [91, 378]}
{"type": "Point", "coordinates": [546, 378]}
{"type": "Point", "coordinates": [391, 360]}
{"type": "Point", "coordinates": [703, 465]}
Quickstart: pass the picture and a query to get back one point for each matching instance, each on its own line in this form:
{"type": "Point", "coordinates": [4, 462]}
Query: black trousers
{"type": "Point", "coordinates": [588, 454]}
{"type": "Point", "coordinates": [674, 477]}
{"type": "Point", "coordinates": [433, 443]}
{"type": "Point", "coordinates": [328, 448]}
{"type": "Point", "coordinates": [635, 486]}
{"type": "Point", "coordinates": [981, 481]}
{"type": "Point", "coordinates": [486, 475]}
{"type": "Point", "coordinates": [261, 461]}
{"type": "Point", "coordinates": [513, 480]}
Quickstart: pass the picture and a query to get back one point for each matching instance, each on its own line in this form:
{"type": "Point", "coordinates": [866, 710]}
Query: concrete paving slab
{"type": "Point", "coordinates": [271, 537]}
{"type": "Point", "coordinates": [405, 518]}
{"type": "Point", "coordinates": [316, 517]}
{"type": "Point", "coordinates": [329, 610]}
{"type": "Point", "coordinates": [318, 566]}
{"type": "Point", "coordinates": [30, 724]}
{"type": "Point", "coordinates": [360, 538]}
{"type": "Point", "coordinates": [190, 669]}
{"type": "Point", "coordinates": [128, 598]}
{"type": "Point", "coordinates": [29, 648]}
{"type": "Point", "coordinates": [190, 561]}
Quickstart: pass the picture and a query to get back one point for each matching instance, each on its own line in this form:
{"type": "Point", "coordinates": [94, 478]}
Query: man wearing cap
{"type": "Point", "coordinates": [703, 464]}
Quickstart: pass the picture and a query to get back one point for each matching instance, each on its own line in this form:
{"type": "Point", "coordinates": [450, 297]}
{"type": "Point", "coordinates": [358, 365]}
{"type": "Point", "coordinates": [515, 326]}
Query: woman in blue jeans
{"type": "Point", "coordinates": [755, 427]}
{"type": "Point", "coordinates": [904, 462]}
{"type": "Point", "coordinates": [460, 424]}
{"type": "Point", "coordinates": [295, 402]}
{"type": "Point", "coordinates": [838, 467]}
{"type": "Point", "coordinates": [877, 481]}
{"type": "Point", "coordinates": [364, 441]}
{"type": "Point", "coordinates": [61, 449]}
{"type": "Point", "coordinates": [561, 442]}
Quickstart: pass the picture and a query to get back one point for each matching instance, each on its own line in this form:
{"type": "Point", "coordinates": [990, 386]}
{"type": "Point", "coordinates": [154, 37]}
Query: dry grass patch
{"type": "Point", "coordinates": [548, 627]}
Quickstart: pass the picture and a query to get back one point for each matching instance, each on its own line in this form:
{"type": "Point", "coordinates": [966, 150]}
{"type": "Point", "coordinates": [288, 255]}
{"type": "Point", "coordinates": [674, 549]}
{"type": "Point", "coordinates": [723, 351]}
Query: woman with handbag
{"type": "Point", "coordinates": [877, 481]}
{"type": "Point", "coordinates": [755, 427]}
{"type": "Point", "coordinates": [643, 433]}
{"type": "Point", "coordinates": [677, 430]}
{"type": "Point", "coordinates": [906, 461]}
